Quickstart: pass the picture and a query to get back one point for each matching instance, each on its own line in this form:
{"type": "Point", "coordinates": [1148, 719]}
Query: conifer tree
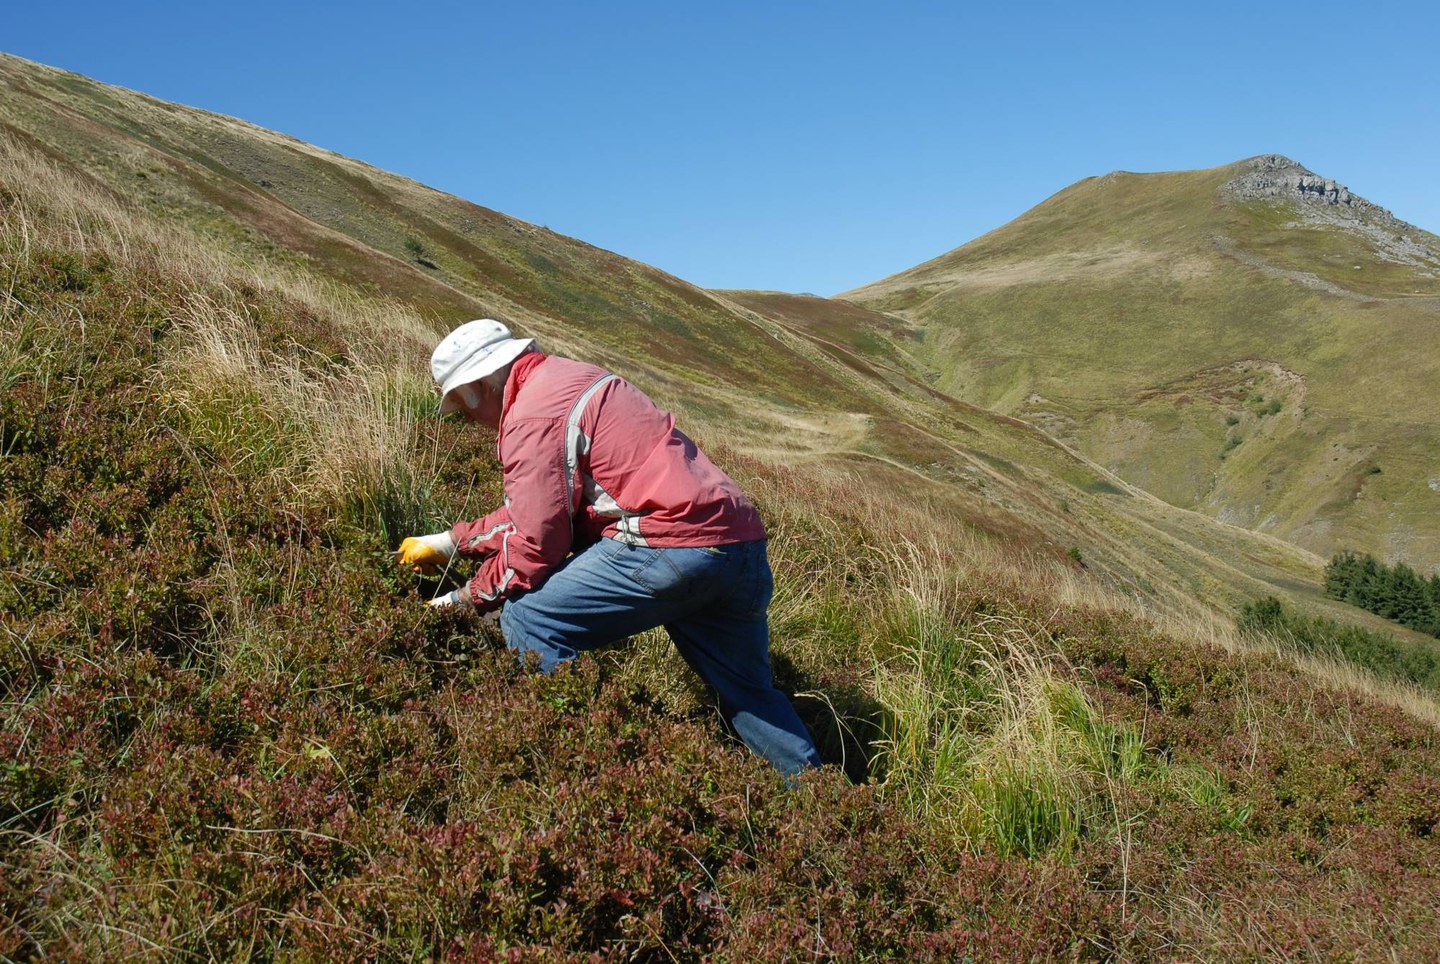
{"type": "Point", "coordinates": [1399, 593]}
{"type": "Point", "coordinates": [1408, 601]}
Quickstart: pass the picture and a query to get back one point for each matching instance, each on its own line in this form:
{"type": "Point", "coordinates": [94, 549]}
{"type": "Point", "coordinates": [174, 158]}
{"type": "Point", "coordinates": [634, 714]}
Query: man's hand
{"type": "Point", "coordinates": [457, 599]}
{"type": "Point", "coordinates": [426, 554]}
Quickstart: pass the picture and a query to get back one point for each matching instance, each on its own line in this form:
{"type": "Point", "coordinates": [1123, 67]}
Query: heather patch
{"type": "Point", "coordinates": [231, 730]}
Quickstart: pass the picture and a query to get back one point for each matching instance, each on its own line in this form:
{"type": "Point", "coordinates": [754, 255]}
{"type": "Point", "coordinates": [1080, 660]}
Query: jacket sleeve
{"type": "Point", "coordinates": [483, 536]}
{"type": "Point", "coordinates": [533, 535]}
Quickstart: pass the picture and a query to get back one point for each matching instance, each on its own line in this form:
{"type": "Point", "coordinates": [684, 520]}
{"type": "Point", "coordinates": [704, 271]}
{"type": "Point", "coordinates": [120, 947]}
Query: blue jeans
{"type": "Point", "coordinates": [710, 600]}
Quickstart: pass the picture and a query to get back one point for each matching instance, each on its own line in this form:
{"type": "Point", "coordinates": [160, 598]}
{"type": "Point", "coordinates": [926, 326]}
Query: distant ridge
{"type": "Point", "coordinates": [1142, 318]}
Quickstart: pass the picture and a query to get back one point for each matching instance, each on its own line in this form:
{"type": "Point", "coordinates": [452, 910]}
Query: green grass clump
{"type": "Point", "coordinates": [981, 734]}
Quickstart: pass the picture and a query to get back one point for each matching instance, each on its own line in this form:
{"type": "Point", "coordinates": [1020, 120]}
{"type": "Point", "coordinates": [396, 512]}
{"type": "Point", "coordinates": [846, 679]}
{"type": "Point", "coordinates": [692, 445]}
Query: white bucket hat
{"type": "Point", "coordinates": [470, 352]}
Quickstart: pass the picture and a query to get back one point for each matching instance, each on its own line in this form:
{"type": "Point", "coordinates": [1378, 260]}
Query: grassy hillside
{"type": "Point", "coordinates": [230, 729]}
{"type": "Point", "coordinates": [269, 198]}
{"type": "Point", "coordinates": [1268, 360]}
{"type": "Point", "coordinates": [740, 370]}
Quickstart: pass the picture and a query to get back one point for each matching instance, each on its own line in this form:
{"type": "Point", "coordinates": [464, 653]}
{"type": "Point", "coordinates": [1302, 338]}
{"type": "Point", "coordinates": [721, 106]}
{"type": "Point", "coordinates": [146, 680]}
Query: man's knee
{"type": "Point", "coordinates": [511, 622]}
{"type": "Point", "coordinates": [525, 634]}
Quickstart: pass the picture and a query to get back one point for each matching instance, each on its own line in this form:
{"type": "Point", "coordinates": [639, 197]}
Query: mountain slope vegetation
{"type": "Point", "coordinates": [761, 383]}
{"type": "Point", "coordinates": [1251, 341]}
{"type": "Point", "coordinates": [231, 729]}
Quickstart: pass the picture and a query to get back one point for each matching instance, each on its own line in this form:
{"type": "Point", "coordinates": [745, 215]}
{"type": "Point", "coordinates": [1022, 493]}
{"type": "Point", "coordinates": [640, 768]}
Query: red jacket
{"type": "Point", "coordinates": [585, 454]}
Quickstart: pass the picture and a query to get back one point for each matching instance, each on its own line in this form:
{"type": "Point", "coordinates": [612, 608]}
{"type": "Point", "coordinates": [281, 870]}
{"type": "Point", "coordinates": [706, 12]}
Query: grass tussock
{"type": "Point", "coordinates": [345, 432]}
{"type": "Point", "coordinates": [985, 736]}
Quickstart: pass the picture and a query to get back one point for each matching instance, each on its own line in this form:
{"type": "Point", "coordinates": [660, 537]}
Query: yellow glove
{"type": "Point", "coordinates": [426, 554]}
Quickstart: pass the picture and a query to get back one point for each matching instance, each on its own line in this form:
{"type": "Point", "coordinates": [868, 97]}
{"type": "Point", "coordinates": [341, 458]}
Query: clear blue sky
{"type": "Point", "coordinates": [795, 146]}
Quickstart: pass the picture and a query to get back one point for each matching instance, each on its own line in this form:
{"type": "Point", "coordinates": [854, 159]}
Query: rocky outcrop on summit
{"type": "Point", "coordinates": [1325, 201]}
{"type": "Point", "coordinates": [1274, 175]}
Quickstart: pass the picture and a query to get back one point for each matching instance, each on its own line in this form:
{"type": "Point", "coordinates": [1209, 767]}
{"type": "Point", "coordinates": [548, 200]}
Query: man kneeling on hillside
{"type": "Point", "coordinates": [614, 522]}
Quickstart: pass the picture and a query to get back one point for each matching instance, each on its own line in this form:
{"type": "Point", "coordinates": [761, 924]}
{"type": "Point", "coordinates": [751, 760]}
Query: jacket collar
{"type": "Point", "coordinates": [519, 374]}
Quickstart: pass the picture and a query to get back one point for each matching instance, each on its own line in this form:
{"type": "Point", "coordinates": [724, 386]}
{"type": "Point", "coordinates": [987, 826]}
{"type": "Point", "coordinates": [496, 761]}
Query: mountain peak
{"type": "Point", "coordinates": [1277, 176]}
{"type": "Point", "coordinates": [1272, 162]}
{"type": "Point", "coordinates": [1318, 200]}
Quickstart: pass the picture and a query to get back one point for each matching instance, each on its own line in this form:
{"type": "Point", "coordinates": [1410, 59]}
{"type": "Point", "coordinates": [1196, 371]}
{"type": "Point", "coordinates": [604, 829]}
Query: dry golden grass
{"type": "Point", "coordinates": [931, 555]}
{"type": "Point", "coordinates": [342, 426]}
{"type": "Point", "coordinates": [1328, 672]}
{"type": "Point", "coordinates": [328, 429]}
{"type": "Point", "coordinates": [68, 211]}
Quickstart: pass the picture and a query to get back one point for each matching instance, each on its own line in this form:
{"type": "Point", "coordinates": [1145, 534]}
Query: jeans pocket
{"type": "Point", "coordinates": [656, 572]}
